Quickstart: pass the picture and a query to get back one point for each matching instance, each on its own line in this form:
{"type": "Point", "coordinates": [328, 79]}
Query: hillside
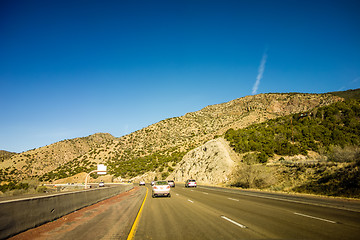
{"type": "Point", "coordinates": [157, 146]}
{"type": "Point", "coordinates": [315, 152]}
{"type": "Point", "coordinates": [39, 161]}
{"type": "Point", "coordinates": [4, 155]}
{"type": "Point", "coordinates": [165, 142]}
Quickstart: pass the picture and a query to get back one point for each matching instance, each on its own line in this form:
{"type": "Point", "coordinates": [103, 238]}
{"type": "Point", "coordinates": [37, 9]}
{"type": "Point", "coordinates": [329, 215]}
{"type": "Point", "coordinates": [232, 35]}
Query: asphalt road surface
{"type": "Point", "coordinates": [109, 219]}
{"type": "Point", "coordinates": [215, 213]}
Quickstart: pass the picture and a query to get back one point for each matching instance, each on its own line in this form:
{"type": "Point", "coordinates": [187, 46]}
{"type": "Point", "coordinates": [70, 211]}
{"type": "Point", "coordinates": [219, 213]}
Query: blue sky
{"type": "Point", "coordinates": [73, 68]}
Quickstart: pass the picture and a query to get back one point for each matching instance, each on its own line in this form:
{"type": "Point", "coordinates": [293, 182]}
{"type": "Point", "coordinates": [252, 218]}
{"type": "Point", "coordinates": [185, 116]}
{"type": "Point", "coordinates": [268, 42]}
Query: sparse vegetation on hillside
{"type": "Point", "coordinates": [6, 155]}
{"type": "Point", "coordinates": [70, 169]}
{"type": "Point", "coordinates": [139, 166]}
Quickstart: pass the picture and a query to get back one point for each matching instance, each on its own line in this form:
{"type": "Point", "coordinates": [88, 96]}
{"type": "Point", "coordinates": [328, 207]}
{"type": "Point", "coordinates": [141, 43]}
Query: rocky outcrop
{"type": "Point", "coordinates": [208, 164]}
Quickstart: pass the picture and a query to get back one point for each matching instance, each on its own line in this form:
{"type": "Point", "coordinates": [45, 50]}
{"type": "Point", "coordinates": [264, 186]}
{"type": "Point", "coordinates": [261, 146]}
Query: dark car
{"type": "Point", "coordinates": [171, 183]}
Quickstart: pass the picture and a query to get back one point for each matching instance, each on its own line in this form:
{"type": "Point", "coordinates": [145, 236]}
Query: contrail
{"type": "Point", "coordinates": [260, 74]}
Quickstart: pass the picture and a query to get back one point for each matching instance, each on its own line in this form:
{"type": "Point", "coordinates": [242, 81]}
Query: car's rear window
{"type": "Point", "coordinates": [161, 183]}
{"type": "Point", "coordinates": [192, 181]}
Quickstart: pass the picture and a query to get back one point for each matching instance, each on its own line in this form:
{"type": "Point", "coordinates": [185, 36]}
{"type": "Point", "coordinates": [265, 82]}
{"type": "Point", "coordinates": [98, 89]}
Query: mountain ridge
{"type": "Point", "coordinates": [167, 137]}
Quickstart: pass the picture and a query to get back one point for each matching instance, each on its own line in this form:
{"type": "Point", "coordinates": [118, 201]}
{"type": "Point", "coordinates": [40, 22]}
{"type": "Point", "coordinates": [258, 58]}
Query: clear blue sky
{"type": "Point", "coordinates": [72, 68]}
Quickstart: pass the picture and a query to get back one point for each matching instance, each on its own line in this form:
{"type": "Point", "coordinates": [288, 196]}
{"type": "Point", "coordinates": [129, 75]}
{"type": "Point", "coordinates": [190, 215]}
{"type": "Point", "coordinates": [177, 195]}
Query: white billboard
{"type": "Point", "coordinates": [101, 169]}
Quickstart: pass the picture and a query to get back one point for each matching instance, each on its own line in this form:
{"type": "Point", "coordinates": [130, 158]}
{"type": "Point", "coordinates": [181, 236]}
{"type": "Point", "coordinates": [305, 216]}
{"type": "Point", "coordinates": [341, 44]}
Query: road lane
{"type": "Point", "coordinates": [202, 213]}
{"type": "Point", "coordinates": [179, 217]}
{"type": "Point", "coordinates": [317, 207]}
{"type": "Point", "coordinates": [288, 218]}
{"type": "Point", "coordinates": [108, 219]}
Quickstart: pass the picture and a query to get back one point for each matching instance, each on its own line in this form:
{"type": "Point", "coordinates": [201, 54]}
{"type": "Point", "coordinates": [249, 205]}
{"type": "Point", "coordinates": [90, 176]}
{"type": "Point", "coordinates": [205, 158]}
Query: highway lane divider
{"type": "Point", "coordinates": [233, 199]}
{"type": "Point", "coordinates": [234, 222]}
{"type": "Point", "coordinates": [22, 214]}
{"type": "Point", "coordinates": [136, 222]}
{"type": "Point", "coordinates": [317, 218]}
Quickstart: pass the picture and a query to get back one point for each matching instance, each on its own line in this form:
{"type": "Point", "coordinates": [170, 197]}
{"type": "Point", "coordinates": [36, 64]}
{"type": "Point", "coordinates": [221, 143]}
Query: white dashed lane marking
{"type": "Point", "coordinates": [321, 219]}
{"type": "Point", "coordinates": [232, 221]}
{"type": "Point", "coordinates": [233, 199]}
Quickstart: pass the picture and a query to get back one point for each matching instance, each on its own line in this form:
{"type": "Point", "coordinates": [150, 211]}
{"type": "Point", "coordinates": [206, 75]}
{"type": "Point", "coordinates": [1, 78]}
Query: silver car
{"type": "Point", "coordinates": [190, 183]}
{"type": "Point", "coordinates": [161, 188]}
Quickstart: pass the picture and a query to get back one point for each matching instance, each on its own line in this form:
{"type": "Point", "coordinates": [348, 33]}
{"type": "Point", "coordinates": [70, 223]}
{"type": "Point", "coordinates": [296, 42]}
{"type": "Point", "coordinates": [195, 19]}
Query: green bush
{"type": "Point", "coordinates": [164, 175]}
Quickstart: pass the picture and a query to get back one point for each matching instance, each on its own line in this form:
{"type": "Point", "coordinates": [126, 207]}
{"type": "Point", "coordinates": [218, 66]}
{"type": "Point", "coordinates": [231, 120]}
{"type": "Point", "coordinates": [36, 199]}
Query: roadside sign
{"type": "Point", "coordinates": [101, 169]}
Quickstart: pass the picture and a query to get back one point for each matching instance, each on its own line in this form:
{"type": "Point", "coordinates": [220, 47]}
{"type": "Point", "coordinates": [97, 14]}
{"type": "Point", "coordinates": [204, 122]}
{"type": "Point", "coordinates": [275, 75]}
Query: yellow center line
{"type": "Point", "coordinates": [136, 222]}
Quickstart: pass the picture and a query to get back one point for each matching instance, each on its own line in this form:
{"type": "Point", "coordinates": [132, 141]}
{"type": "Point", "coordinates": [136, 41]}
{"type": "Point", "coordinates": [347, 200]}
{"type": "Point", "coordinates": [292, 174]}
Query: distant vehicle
{"type": "Point", "coordinates": [152, 183]}
{"type": "Point", "coordinates": [190, 183]}
{"type": "Point", "coordinates": [171, 183]}
{"type": "Point", "coordinates": [141, 183]}
{"type": "Point", "coordinates": [101, 184]}
{"type": "Point", "coordinates": [161, 188]}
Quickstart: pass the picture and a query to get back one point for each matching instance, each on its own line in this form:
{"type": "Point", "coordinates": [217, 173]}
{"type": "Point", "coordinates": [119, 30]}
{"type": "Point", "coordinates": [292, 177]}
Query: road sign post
{"type": "Point", "coordinates": [101, 169]}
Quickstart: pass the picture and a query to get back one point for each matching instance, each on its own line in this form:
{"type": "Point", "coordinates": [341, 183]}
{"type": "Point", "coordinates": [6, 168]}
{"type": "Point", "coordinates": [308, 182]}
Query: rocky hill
{"type": "Point", "coordinates": [160, 141]}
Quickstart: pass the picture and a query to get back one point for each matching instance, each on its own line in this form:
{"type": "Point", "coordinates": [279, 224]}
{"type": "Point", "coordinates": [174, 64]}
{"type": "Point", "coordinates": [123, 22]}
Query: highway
{"type": "Point", "coordinates": [216, 213]}
{"type": "Point", "coordinates": [206, 213]}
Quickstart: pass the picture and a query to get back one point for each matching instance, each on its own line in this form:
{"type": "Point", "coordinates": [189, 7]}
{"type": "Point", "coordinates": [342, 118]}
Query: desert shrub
{"type": "Point", "coordinates": [252, 176]}
{"type": "Point", "coordinates": [250, 158]}
{"type": "Point", "coordinates": [343, 154]}
{"type": "Point", "coordinates": [262, 157]}
{"type": "Point", "coordinates": [41, 189]}
{"type": "Point", "coordinates": [164, 175]}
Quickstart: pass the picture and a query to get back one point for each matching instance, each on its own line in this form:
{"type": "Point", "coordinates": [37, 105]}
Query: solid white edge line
{"type": "Point", "coordinates": [232, 221]}
{"type": "Point", "coordinates": [321, 219]}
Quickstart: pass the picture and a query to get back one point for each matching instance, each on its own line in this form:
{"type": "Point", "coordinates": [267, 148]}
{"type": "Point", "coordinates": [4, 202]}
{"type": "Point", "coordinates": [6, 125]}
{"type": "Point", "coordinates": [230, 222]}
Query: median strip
{"type": "Point", "coordinates": [321, 219]}
{"type": "Point", "coordinates": [232, 221]}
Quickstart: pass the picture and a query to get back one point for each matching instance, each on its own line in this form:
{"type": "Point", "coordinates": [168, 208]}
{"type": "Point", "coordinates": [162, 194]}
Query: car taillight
{"type": "Point", "coordinates": [155, 187]}
{"type": "Point", "coordinates": [168, 187]}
